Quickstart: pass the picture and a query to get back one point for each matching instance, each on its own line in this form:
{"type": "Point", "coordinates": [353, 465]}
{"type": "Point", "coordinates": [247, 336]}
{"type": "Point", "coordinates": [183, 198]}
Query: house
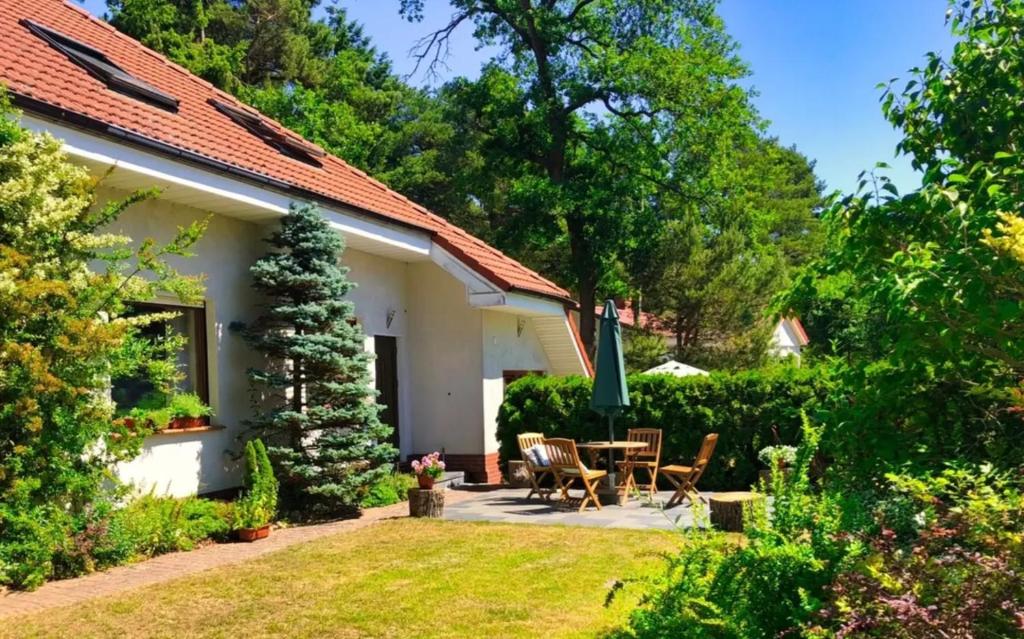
{"type": "Point", "coordinates": [449, 317]}
{"type": "Point", "coordinates": [789, 338]}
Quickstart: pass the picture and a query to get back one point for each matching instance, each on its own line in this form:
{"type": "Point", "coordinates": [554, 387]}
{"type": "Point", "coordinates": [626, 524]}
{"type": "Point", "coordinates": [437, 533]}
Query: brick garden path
{"type": "Point", "coordinates": [180, 564]}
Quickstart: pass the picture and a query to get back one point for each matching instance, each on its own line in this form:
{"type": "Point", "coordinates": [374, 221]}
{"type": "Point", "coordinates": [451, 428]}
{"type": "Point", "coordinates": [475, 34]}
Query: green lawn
{"type": "Point", "coordinates": [401, 578]}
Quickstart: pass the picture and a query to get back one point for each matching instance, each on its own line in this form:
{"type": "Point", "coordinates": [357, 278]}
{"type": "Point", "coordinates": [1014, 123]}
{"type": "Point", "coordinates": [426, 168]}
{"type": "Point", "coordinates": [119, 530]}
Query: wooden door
{"type": "Point", "coordinates": [386, 348]}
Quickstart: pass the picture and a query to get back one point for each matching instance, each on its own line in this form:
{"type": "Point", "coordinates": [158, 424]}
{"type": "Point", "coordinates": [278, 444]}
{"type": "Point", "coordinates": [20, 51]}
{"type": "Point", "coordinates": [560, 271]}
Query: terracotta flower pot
{"type": "Point", "coordinates": [252, 534]}
{"type": "Point", "coordinates": [426, 481]}
{"type": "Point", "coordinates": [182, 423]}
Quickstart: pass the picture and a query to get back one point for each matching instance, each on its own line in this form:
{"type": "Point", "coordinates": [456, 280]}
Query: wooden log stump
{"type": "Point", "coordinates": [426, 503]}
{"type": "Point", "coordinates": [727, 509]}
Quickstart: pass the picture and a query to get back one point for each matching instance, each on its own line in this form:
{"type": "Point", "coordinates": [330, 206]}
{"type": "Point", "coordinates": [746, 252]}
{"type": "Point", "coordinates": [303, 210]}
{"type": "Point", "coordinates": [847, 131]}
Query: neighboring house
{"type": "Point", "coordinates": [449, 317]}
{"type": "Point", "coordinates": [789, 338]}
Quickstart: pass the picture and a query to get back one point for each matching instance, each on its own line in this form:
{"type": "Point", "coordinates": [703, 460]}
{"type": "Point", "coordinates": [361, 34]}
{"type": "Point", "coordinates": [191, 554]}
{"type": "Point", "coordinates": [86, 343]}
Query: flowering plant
{"type": "Point", "coordinates": [431, 465]}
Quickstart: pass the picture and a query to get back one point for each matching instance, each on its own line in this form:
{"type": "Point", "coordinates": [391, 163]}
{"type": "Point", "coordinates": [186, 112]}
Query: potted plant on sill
{"type": "Point", "coordinates": [778, 459]}
{"type": "Point", "coordinates": [188, 411]}
{"type": "Point", "coordinates": [256, 508]}
{"type": "Point", "coordinates": [428, 470]}
{"type": "Point", "coordinates": [158, 411]}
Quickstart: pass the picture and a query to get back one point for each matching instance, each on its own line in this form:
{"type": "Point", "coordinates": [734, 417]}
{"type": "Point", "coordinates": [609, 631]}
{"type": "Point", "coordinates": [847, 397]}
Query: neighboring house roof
{"type": "Point", "coordinates": [628, 318]}
{"type": "Point", "coordinates": [672, 367]}
{"type": "Point", "coordinates": [46, 81]}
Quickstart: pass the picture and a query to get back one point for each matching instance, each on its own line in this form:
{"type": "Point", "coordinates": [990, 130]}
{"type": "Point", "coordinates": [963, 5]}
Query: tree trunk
{"type": "Point", "coordinates": [587, 320]}
{"type": "Point", "coordinates": [426, 503]}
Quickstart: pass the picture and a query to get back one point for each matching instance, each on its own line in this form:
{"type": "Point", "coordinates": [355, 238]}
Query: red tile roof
{"type": "Point", "coordinates": [627, 317]}
{"type": "Point", "coordinates": [41, 78]}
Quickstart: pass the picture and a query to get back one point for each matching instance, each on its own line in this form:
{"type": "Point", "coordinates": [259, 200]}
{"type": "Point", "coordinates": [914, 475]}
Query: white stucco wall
{"type": "Point", "coordinates": [445, 363]}
{"type": "Point", "coordinates": [177, 463]}
{"type": "Point", "coordinates": [503, 350]}
{"type": "Point", "coordinates": [381, 287]}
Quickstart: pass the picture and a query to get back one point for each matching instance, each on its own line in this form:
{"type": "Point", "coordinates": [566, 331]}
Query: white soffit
{"type": "Point", "coordinates": [560, 345]}
{"type": "Point", "coordinates": [127, 168]}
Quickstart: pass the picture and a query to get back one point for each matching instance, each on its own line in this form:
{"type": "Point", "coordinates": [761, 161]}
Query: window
{"type": "Point", "coordinates": [273, 137]}
{"type": "Point", "coordinates": [190, 322]}
{"type": "Point", "coordinates": [102, 68]}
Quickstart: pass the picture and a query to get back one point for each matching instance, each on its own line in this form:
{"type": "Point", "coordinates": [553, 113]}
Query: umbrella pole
{"type": "Point", "coordinates": [611, 452]}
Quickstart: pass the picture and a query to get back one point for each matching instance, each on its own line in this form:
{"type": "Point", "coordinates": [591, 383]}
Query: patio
{"type": "Point", "coordinates": [510, 506]}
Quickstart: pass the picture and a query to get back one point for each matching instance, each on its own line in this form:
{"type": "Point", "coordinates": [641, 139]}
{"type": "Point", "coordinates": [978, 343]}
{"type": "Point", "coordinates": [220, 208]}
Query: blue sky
{"type": "Point", "coordinates": [815, 66]}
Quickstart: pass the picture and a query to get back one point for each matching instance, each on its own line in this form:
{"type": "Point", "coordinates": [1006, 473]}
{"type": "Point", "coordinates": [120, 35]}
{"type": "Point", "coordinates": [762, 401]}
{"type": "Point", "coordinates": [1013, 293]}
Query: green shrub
{"type": "Point", "coordinates": [184, 405]}
{"type": "Point", "coordinates": [392, 489]}
{"type": "Point", "coordinates": [151, 525]}
{"type": "Point", "coordinates": [771, 585]}
{"type": "Point", "coordinates": [748, 410]}
{"type": "Point", "coordinates": [258, 506]}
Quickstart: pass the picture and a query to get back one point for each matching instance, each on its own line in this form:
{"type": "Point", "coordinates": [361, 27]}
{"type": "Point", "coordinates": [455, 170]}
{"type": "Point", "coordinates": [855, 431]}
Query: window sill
{"type": "Point", "coordinates": [188, 431]}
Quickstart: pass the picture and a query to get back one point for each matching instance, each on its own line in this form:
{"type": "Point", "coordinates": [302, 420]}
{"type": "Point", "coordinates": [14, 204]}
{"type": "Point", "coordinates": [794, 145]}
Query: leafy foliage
{"type": "Point", "coordinates": [767, 587]}
{"type": "Point", "coordinates": [748, 410]}
{"type": "Point", "coordinates": [933, 284]}
{"type": "Point", "coordinates": [64, 285]}
{"type": "Point", "coordinates": [315, 395]}
{"type": "Point", "coordinates": [951, 569]}
{"type": "Point", "coordinates": [258, 505]}
{"type": "Point", "coordinates": [391, 489]}
{"type": "Point", "coordinates": [643, 350]}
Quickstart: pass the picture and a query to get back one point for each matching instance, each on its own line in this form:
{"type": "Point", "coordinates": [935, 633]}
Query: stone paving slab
{"type": "Point", "coordinates": [510, 506]}
{"type": "Point", "coordinates": [180, 564]}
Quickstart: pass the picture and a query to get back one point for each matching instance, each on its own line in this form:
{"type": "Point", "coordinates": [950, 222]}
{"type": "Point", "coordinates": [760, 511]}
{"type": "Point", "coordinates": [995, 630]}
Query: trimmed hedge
{"type": "Point", "coordinates": [741, 407]}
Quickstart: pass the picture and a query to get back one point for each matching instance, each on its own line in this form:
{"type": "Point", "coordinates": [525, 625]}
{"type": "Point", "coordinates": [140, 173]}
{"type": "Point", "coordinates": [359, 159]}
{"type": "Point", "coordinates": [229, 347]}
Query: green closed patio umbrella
{"type": "Point", "coordinates": [610, 393]}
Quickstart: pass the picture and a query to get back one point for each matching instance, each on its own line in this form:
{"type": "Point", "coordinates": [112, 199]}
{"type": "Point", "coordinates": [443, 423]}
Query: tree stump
{"type": "Point", "coordinates": [426, 503]}
{"type": "Point", "coordinates": [727, 509]}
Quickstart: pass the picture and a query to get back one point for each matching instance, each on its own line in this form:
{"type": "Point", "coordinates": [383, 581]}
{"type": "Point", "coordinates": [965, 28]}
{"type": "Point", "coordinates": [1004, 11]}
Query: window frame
{"type": "Point", "coordinates": [101, 67]}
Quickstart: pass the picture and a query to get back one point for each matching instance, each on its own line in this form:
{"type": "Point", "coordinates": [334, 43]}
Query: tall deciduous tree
{"type": "Point", "coordinates": [318, 413]}
{"type": "Point", "coordinates": [585, 97]}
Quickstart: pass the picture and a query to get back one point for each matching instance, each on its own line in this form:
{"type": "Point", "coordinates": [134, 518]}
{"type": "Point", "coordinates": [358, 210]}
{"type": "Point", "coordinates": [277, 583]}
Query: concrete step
{"type": "Point", "coordinates": [451, 479]}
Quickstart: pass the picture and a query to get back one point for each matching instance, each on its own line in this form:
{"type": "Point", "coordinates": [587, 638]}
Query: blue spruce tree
{"type": "Point", "coordinates": [314, 396]}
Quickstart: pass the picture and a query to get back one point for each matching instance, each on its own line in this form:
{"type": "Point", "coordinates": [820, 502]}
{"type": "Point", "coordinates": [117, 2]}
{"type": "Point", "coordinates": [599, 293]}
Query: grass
{"type": "Point", "coordinates": [397, 579]}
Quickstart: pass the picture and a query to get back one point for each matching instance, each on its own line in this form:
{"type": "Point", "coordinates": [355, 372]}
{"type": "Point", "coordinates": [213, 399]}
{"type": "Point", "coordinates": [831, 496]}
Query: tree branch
{"type": "Point", "coordinates": [439, 42]}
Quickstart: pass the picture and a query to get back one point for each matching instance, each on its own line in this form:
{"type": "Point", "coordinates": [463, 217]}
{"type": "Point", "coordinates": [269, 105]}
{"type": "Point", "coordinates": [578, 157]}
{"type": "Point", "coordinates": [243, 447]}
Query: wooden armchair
{"type": "Point", "coordinates": [567, 468]}
{"type": "Point", "coordinates": [684, 478]}
{"type": "Point", "coordinates": [646, 458]}
{"type": "Point", "coordinates": [535, 472]}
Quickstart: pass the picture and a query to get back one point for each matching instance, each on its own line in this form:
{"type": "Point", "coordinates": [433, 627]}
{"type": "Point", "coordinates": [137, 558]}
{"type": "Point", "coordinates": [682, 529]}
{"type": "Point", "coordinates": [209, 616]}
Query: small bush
{"type": "Point", "coordinates": [258, 506]}
{"type": "Point", "coordinates": [749, 411]}
{"type": "Point", "coordinates": [392, 489]}
{"type": "Point", "coordinates": [954, 570]}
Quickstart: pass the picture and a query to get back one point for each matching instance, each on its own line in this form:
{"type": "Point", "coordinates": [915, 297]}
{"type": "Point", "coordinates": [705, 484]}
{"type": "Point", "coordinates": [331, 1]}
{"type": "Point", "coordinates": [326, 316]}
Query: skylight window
{"type": "Point", "coordinates": [271, 136]}
{"type": "Point", "coordinates": [102, 68]}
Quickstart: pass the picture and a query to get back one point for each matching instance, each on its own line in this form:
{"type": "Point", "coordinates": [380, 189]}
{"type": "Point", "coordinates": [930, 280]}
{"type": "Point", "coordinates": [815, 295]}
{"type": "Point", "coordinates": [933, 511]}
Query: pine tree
{"type": "Point", "coordinates": [314, 395]}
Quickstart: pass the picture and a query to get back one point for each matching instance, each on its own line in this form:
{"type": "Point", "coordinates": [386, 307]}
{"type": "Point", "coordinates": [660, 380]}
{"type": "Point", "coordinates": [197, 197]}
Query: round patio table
{"type": "Point", "coordinates": [620, 491]}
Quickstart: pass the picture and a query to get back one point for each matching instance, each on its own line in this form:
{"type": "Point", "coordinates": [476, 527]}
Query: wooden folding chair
{"type": "Point", "coordinates": [684, 478]}
{"type": "Point", "coordinates": [647, 458]}
{"type": "Point", "coordinates": [567, 468]}
{"type": "Point", "coordinates": [536, 473]}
